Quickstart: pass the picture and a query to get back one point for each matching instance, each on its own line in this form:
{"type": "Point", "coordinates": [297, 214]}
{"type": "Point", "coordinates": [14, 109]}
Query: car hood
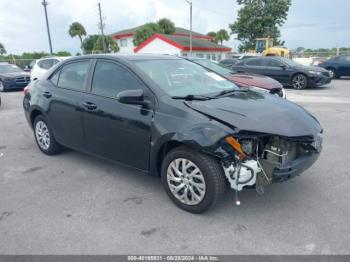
{"type": "Point", "coordinates": [257, 112]}
{"type": "Point", "coordinates": [12, 75]}
{"type": "Point", "coordinates": [245, 80]}
{"type": "Point", "coordinates": [311, 68]}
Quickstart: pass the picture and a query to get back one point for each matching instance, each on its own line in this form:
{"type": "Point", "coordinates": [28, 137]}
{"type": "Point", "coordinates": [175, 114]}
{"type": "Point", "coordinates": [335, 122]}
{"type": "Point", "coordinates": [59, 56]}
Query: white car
{"type": "Point", "coordinates": [42, 65]}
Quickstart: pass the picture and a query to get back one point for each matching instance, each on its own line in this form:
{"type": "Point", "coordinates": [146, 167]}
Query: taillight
{"type": "Point", "coordinates": [26, 90]}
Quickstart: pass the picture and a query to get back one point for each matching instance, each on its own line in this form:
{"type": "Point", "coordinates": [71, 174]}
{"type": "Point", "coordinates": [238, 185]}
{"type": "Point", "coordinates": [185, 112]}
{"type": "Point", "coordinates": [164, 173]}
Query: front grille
{"type": "Point", "coordinates": [22, 80]}
{"type": "Point", "coordinates": [326, 74]}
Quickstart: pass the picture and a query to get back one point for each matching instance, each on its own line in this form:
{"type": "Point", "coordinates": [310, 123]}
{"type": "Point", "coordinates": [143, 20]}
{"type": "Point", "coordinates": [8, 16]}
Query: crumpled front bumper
{"type": "Point", "coordinates": [295, 168]}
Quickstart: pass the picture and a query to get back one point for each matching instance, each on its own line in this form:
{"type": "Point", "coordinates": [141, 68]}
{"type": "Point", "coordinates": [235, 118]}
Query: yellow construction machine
{"type": "Point", "coordinates": [265, 47]}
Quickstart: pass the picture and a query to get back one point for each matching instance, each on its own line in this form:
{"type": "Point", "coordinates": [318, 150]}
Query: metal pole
{"type": "Point", "coordinates": [101, 27]}
{"type": "Point", "coordinates": [191, 29]}
{"type": "Point", "coordinates": [44, 3]}
{"type": "Point", "coordinates": [190, 3]}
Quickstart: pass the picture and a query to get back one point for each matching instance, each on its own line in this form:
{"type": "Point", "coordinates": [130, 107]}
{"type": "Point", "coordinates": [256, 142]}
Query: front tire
{"type": "Point", "coordinates": [299, 81]}
{"type": "Point", "coordinates": [44, 137]}
{"type": "Point", "coordinates": [193, 181]}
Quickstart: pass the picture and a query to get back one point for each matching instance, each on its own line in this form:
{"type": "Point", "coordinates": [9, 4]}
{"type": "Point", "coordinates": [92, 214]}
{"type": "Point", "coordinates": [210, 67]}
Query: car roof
{"type": "Point", "coordinates": [127, 57]}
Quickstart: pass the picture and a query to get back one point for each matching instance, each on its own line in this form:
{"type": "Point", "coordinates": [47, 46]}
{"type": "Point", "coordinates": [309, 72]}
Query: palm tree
{"type": "Point", "coordinates": [222, 35]}
{"type": "Point", "coordinates": [77, 29]}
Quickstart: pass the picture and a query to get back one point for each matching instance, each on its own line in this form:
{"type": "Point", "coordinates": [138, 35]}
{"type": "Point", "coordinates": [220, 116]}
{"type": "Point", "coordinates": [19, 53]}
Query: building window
{"type": "Point", "coordinates": [200, 55]}
{"type": "Point", "coordinates": [219, 57]}
{"type": "Point", "coordinates": [184, 54]}
{"type": "Point", "coordinates": [123, 42]}
{"type": "Point", "coordinates": [208, 56]}
{"type": "Point", "coordinates": [213, 57]}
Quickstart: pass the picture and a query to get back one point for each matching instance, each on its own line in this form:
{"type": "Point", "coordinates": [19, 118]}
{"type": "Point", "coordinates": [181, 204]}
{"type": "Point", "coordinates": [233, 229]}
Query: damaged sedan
{"type": "Point", "coordinates": [172, 118]}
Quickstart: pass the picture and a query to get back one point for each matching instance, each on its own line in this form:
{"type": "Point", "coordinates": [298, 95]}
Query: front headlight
{"type": "Point", "coordinates": [315, 73]}
{"type": "Point", "coordinates": [259, 89]}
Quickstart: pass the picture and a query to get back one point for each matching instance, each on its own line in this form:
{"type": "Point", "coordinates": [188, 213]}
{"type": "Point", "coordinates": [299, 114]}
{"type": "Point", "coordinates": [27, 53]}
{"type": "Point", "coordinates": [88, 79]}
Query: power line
{"type": "Point", "coordinates": [44, 3]}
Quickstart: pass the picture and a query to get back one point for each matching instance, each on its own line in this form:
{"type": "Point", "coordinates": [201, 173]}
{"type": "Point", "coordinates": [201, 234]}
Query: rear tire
{"type": "Point", "coordinates": [193, 181]}
{"type": "Point", "coordinates": [45, 138]}
{"type": "Point", "coordinates": [299, 82]}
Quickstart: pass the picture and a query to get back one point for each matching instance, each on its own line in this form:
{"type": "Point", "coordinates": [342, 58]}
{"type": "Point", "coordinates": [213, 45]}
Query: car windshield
{"type": "Point", "coordinates": [10, 69]}
{"type": "Point", "coordinates": [179, 77]}
{"type": "Point", "coordinates": [213, 66]}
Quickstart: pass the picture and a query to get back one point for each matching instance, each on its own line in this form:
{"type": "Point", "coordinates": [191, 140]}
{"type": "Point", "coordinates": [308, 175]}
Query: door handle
{"type": "Point", "coordinates": [47, 94]}
{"type": "Point", "coordinates": [90, 106]}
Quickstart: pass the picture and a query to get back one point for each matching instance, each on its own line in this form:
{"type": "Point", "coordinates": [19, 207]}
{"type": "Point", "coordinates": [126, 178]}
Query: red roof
{"type": "Point", "coordinates": [183, 43]}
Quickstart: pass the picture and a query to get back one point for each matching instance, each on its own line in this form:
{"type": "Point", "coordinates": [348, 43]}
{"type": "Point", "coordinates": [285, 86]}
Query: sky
{"type": "Point", "coordinates": [310, 23]}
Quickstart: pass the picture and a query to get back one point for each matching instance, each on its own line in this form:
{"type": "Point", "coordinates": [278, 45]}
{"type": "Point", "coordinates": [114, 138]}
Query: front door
{"type": "Point", "coordinates": [114, 130]}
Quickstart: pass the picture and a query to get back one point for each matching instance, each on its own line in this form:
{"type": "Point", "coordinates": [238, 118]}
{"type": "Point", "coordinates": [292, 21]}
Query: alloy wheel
{"type": "Point", "coordinates": [42, 135]}
{"type": "Point", "coordinates": [299, 82]}
{"type": "Point", "coordinates": [186, 181]}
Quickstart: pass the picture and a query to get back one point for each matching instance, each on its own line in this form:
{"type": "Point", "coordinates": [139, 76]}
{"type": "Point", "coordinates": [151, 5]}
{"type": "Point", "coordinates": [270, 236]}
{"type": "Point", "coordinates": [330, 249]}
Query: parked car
{"type": "Point", "coordinates": [234, 59]}
{"type": "Point", "coordinates": [339, 66]}
{"type": "Point", "coordinates": [253, 81]}
{"type": "Point", "coordinates": [41, 66]}
{"type": "Point", "coordinates": [286, 71]}
{"type": "Point", "coordinates": [172, 118]}
{"type": "Point", "coordinates": [12, 77]}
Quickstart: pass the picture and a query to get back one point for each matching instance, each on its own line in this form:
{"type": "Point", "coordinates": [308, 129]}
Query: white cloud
{"type": "Point", "coordinates": [22, 23]}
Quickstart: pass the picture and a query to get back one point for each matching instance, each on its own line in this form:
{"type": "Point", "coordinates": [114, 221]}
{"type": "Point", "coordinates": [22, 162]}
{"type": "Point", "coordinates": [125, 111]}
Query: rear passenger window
{"type": "Point", "coordinates": [73, 76]}
{"type": "Point", "coordinates": [253, 62]}
{"type": "Point", "coordinates": [110, 79]}
{"type": "Point", "coordinates": [271, 63]}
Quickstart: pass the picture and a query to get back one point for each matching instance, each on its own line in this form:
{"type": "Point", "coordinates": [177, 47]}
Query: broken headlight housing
{"type": "Point", "coordinates": [247, 146]}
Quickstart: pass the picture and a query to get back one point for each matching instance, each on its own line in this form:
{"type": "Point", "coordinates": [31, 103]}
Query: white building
{"type": "Point", "coordinates": [175, 44]}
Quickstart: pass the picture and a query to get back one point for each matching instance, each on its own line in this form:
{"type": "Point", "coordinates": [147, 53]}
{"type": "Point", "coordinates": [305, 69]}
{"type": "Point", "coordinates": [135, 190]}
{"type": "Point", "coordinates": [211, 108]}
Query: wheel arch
{"type": "Point", "coordinates": [34, 114]}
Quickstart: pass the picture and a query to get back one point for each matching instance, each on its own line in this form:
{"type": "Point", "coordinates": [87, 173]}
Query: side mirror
{"type": "Point", "coordinates": [284, 67]}
{"type": "Point", "coordinates": [135, 97]}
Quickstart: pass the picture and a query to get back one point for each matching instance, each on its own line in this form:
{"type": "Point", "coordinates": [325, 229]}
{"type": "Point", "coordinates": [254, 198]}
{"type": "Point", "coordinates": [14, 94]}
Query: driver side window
{"type": "Point", "coordinates": [272, 63]}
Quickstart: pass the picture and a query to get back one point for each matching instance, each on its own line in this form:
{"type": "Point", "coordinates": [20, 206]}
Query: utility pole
{"type": "Point", "coordinates": [190, 3]}
{"type": "Point", "coordinates": [101, 27]}
{"type": "Point", "coordinates": [44, 3]}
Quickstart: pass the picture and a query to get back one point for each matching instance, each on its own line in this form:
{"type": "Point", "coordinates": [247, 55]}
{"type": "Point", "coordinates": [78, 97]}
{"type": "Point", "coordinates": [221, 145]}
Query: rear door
{"type": "Point", "coordinates": [254, 65]}
{"type": "Point", "coordinates": [276, 70]}
{"type": "Point", "coordinates": [68, 88]}
{"type": "Point", "coordinates": [114, 130]}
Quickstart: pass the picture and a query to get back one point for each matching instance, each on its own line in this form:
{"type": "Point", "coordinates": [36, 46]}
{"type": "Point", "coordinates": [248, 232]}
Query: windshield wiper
{"type": "Point", "coordinates": [193, 97]}
{"type": "Point", "coordinates": [225, 92]}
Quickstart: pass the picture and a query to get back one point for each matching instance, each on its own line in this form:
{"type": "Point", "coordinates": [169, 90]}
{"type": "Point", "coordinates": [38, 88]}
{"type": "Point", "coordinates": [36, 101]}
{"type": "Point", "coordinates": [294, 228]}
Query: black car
{"type": "Point", "coordinates": [12, 77]}
{"type": "Point", "coordinates": [286, 71]}
{"type": "Point", "coordinates": [172, 118]}
{"type": "Point", "coordinates": [339, 66]}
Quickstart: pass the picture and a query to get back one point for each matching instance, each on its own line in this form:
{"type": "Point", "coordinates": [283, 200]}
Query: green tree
{"type": "Point", "coordinates": [213, 37]}
{"type": "Point", "coordinates": [259, 18]}
{"type": "Point", "coordinates": [63, 53]}
{"type": "Point", "coordinates": [166, 26]}
{"type": "Point", "coordinates": [222, 35]}
{"type": "Point", "coordinates": [89, 43]}
{"type": "Point", "coordinates": [77, 29]}
{"type": "Point", "coordinates": [145, 32]}
{"type": "Point", "coordinates": [2, 49]}
{"type": "Point", "coordinates": [111, 44]}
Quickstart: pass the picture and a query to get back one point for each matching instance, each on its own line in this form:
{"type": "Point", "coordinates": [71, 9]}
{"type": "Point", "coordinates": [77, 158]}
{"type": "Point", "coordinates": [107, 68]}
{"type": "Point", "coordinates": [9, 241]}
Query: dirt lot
{"type": "Point", "coordinates": [77, 204]}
